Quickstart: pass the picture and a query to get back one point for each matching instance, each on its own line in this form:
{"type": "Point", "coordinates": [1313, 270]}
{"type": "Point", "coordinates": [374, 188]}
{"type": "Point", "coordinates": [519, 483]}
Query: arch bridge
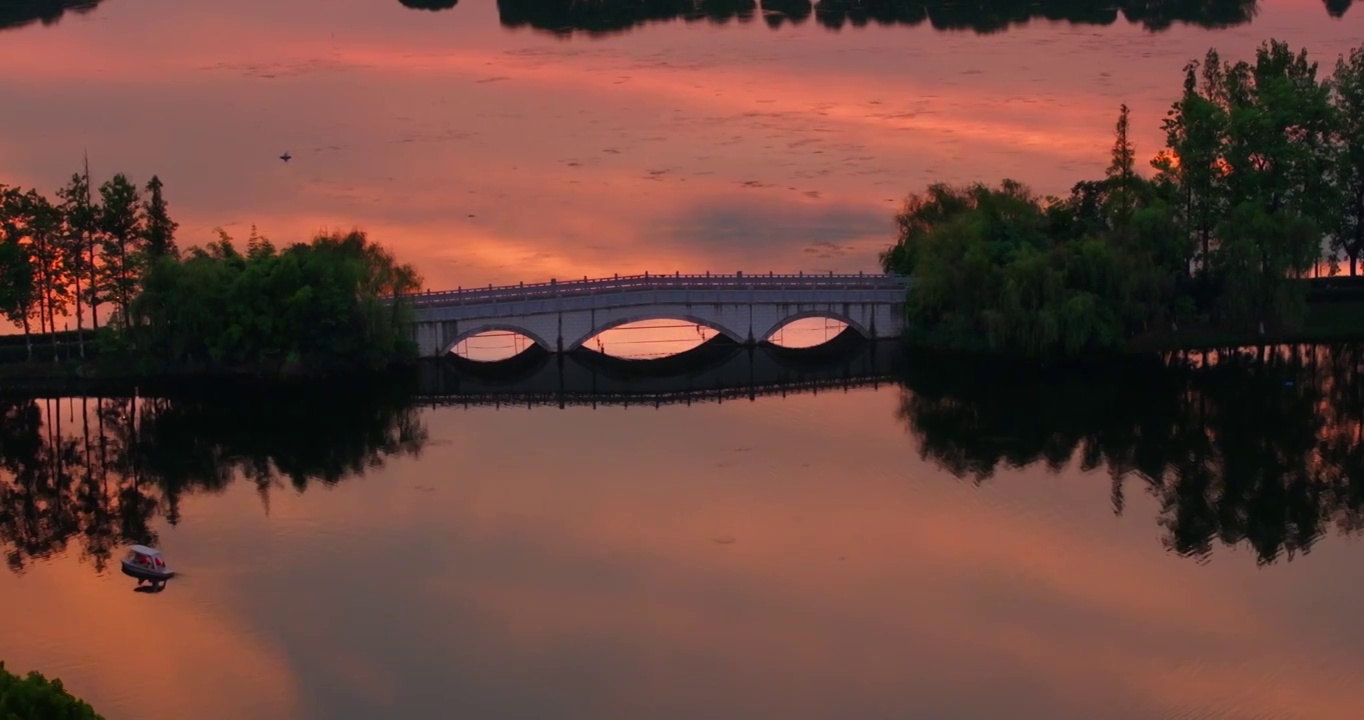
{"type": "Point", "coordinates": [562, 316]}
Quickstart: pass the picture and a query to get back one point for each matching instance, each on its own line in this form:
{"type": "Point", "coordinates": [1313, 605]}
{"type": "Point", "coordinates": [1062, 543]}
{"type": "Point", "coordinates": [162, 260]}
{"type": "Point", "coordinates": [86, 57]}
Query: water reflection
{"type": "Point", "coordinates": [983, 16]}
{"type": "Point", "coordinates": [716, 370]}
{"type": "Point", "coordinates": [18, 13]}
{"type": "Point", "coordinates": [429, 4]}
{"type": "Point", "coordinates": [1257, 447]}
{"type": "Point", "coordinates": [95, 472]}
{"type": "Point", "coordinates": [614, 16]}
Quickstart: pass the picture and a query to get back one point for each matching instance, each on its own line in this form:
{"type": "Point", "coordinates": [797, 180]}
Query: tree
{"type": "Point", "coordinates": [77, 248]}
{"type": "Point", "coordinates": [43, 226]}
{"type": "Point", "coordinates": [120, 225]}
{"type": "Point", "coordinates": [1121, 170]}
{"type": "Point", "coordinates": [320, 306]}
{"type": "Point", "coordinates": [1278, 132]}
{"type": "Point", "coordinates": [18, 286]}
{"type": "Point", "coordinates": [160, 229]}
{"type": "Point", "coordinates": [1194, 135]}
{"type": "Point", "coordinates": [1347, 98]}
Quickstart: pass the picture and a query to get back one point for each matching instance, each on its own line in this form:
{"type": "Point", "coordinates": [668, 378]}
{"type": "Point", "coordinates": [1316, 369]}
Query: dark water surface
{"type": "Point", "coordinates": [859, 535]}
{"type": "Point", "coordinates": [847, 534]}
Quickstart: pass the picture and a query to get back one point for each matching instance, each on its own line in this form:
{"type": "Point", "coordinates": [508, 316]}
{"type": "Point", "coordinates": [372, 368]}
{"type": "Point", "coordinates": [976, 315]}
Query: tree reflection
{"type": "Point", "coordinates": [95, 472]}
{"type": "Point", "coordinates": [18, 13]}
{"type": "Point", "coordinates": [1260, 447]}
{"type": "Point", "coordinates": [981, 16]}
{"type": "Point", "coordinates": [429, 4]}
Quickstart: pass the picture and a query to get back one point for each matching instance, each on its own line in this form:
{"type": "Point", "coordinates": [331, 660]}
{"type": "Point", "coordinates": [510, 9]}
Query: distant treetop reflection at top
{"type": "Point", "coordinates": [429, 4]}
{"type": "Point", "coordinates": [599, 17]}
{"type": "Point", "coordinates": [18, 13]}
{"type": "Point", "coordinates": [982, 16]}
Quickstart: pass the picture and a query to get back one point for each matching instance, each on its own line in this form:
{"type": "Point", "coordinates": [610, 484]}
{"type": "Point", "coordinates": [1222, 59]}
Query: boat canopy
{"type": "Point", "coordinates": [144, 550]}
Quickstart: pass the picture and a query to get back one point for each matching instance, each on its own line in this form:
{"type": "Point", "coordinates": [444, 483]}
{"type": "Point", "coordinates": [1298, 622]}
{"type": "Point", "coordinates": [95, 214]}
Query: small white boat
{"type": "Point", "coordinates": [147, 564]}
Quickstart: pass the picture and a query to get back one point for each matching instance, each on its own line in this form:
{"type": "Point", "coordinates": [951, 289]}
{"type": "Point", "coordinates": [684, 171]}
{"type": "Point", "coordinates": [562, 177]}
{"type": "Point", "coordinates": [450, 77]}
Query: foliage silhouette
{"type": "Point", "coordinates": [332, 304]}
{"type": "Point", "coordinates": [35, 697]}
{"type": "Point", "coordinates": [1259, 446]}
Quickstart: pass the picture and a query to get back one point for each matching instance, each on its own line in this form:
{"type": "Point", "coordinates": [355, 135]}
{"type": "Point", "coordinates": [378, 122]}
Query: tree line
{"type": "Point", "coordinates": [84, 250]}
{"type": "Point", "coordinates": [332, 303]}
{"type": "Point", "coordinates": [1260, 184]}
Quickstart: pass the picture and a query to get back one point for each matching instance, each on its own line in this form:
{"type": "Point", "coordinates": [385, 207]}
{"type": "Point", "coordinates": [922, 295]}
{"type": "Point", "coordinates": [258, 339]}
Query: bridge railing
{"type": "Point", "coordinates": [647, 281]}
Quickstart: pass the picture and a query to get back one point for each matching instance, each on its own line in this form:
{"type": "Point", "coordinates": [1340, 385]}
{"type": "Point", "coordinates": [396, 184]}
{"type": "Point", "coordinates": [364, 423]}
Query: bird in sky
{"type": "Point", "coordinates": [285, 157]}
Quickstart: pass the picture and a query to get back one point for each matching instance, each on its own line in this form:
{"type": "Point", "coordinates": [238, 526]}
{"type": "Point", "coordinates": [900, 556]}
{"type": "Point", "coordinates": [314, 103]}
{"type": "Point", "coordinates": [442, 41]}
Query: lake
{"type": "Point", "coordinates": [845, 532]}
{"type": "Point", "coordinates": [867, 535]}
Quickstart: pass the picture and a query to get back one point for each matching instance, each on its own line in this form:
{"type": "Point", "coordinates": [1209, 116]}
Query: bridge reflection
{"type": "Point", "coordinates": [716, 371]}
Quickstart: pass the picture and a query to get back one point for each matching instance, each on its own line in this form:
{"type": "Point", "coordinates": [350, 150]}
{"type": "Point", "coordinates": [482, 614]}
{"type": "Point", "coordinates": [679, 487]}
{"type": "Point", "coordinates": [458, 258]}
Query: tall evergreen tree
{"type": "Point", "coordinates": [43, 227]}
{"type": "Point", "coordinates": [76, 243]}
{"type": "Point", "coordinates": [1121, 170]}
{"type": "Point", "coordinates": [159, 229]}
{"type": "Point", "coordinates": [120, 224]}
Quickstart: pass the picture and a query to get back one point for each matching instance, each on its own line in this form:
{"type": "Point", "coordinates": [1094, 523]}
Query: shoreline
{"type": "Point", "coordinates": [1334, 315]}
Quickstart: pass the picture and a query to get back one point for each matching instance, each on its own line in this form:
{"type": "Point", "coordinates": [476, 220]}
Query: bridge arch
{"type": "Point", "coordinates": [861, 329]}
{"type": "Point", "coordinates": [642, 317]}
{"type": "Point", "coordinates": [497, 327]}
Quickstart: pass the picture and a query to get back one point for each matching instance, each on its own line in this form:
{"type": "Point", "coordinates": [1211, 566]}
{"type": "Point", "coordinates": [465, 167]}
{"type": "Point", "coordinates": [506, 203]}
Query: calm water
{"type": "Point", "coordinates": [845, 535]}
{"type": "Point", "coordinates": [868, 537]}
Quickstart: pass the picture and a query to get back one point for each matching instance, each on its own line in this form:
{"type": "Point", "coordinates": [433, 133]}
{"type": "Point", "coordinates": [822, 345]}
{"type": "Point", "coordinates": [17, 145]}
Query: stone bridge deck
{"type": "Point", "coordinates": [562, 316]}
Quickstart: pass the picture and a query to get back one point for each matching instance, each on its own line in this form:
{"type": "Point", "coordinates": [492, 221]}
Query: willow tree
{"type": "Point", "coordinates": [317, 306]}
